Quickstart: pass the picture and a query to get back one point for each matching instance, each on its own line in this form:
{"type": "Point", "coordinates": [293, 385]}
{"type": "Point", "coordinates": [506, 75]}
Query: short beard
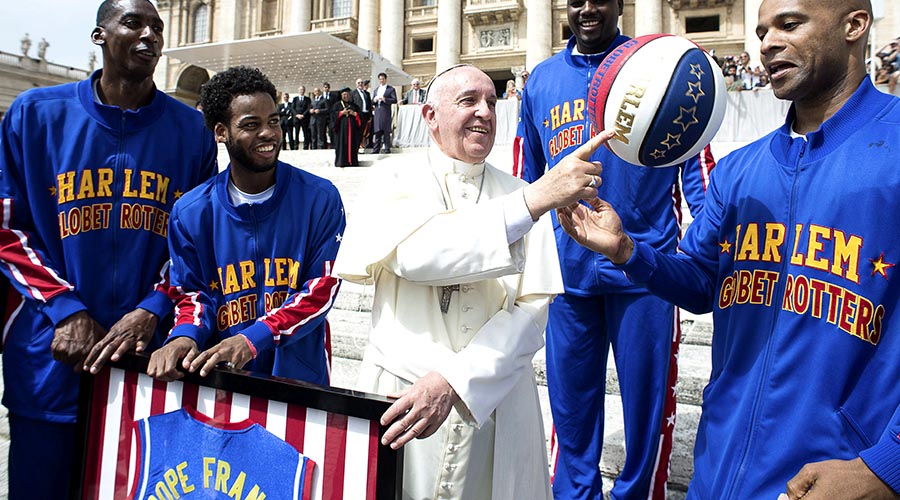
{"type": "Point", "coordinates": [239, 155]}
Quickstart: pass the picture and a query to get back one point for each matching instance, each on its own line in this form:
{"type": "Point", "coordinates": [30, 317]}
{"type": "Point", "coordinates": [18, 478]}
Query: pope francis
{"type": "Point", "coordinates": [464, 268]}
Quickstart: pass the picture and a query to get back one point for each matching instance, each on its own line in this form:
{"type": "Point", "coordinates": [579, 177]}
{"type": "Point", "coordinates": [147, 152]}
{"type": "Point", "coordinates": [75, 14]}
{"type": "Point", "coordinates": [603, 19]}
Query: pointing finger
{"type": "Point", "coordinates": [587, 149]}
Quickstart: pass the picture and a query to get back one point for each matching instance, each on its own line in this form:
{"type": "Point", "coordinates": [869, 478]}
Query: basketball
{"type": "Point", "coordinates": [662, 94]}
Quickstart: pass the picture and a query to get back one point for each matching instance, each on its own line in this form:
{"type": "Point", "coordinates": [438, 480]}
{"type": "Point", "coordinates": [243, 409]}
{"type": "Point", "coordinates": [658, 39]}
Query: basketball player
{"type": "Point", "coordinates": [89, 172]}
{"type": "Point", "coordinates": [600, 306]}
{"type": "Point", "coordinates": [803, 288]}
{"type": "Point", "coordinates": [252, 249]}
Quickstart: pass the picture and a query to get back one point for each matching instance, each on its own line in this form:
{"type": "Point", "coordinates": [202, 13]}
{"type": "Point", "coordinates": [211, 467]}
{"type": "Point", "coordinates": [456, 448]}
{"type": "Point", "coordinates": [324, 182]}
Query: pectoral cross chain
{"type": "Point", "coordinates": [446, 293]}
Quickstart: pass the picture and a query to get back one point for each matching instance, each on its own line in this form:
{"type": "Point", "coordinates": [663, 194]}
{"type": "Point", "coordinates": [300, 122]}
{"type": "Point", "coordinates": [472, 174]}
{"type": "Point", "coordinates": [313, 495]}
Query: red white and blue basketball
{"type": "Point", "coordinates": [662, 94]}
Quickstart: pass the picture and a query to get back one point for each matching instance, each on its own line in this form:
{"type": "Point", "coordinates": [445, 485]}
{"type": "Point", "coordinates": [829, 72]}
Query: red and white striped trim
{"type": "Point", "coordinates": [24, 263]}
{"type": "Point", "coordinates": [304, 307]}
{"type": "Point", "coordinates": [188, 308]}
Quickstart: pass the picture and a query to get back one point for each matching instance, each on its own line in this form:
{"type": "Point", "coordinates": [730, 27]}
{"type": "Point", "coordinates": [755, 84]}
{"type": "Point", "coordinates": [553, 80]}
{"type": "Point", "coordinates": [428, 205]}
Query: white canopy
{"type": "Point", "coordinates": [289, 61]}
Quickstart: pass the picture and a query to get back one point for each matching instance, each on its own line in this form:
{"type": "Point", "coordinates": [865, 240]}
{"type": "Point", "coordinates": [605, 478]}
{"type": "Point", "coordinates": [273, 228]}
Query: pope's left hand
{"type": "Point", "coordinates": [419, 411]}
{"type": "Point", "coordinates": [838, 480]}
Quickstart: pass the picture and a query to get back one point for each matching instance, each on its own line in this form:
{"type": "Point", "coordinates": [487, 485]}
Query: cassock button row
{"type": "Point", "coordinates": [447, 486]}
{"type": "Point", "coordinates": [457, 427]}
{"type": "Point", "coordinates": [449, 467]}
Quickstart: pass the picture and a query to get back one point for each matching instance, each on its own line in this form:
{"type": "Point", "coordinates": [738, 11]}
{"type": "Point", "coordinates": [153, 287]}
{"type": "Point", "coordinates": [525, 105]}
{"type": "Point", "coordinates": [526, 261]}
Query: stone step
{"type": "Point", "coordinates": [345, 371]}
{"type": "Point", "coordinates": [349, 334]}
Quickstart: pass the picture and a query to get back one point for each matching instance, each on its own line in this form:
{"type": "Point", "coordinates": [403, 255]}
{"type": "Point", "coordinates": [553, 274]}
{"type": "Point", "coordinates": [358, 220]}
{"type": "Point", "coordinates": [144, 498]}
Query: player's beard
{"type": "Point", "coordinates": [240, 155]}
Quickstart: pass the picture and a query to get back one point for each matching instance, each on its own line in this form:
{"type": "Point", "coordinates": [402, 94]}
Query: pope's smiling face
{"type": "Point", "coordinates": [462, 115]}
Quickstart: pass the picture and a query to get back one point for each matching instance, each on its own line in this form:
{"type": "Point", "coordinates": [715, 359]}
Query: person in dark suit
{"type": "Point", "coordinates": [415, 95]}
{"type": "Point", "coordinates": [318, 118]}
{"type": "Point", "coordinates": [286, 118]}
{"type": "Point", "coordinates": [331, 98]}
{"type": "Point", "coordinates": [363, 100]}
{"type": "Point", "coordinates": [384, 96]}
{"type": "Point", "coordinates": [301, 105]}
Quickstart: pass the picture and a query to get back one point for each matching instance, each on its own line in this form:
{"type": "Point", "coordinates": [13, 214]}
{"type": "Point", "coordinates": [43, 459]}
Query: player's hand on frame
{"type": "Point", "coordinates": [133, 331]}
{"type": "Point", "coordinates": [598, 228]}
{"type": "Point", "coordinates": [233, 352]}
{"type": "Point", "coordinates": [419, 411]}
{"type": "Point", "coordinates": [166, 361]}
{"type": "Point", "coordinates": [74, 337]}
{"type": "Point", "coordinates": [838, 480]}
{"type": "Point", "coordinates": [572, 179]}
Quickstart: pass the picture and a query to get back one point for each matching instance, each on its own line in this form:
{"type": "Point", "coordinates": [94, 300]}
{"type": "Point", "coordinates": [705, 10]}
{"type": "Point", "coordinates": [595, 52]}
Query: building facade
{"type": "Point", "coordinates": [502, 37]}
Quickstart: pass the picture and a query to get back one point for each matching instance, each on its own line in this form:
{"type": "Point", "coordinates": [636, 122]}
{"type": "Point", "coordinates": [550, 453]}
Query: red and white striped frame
{"type": "Point", "coordinates": [344, 448]}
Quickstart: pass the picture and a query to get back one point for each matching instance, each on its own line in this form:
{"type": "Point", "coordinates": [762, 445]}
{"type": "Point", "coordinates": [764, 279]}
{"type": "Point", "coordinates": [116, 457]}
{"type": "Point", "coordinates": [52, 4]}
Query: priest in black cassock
{"type": "Point", "coordinates": [346, 131]}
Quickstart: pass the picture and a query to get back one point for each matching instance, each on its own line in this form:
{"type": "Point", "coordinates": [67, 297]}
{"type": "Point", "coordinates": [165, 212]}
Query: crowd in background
{"type": "Point", "coordinates": [739, 75]}
{"type": "Point", "coordinates": [887, 60]}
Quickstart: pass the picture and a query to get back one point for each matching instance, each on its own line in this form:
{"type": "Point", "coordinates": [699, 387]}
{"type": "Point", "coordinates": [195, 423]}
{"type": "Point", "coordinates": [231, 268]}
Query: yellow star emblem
{"type": "Point", "coordinates": [725, 246]}
{"type": "Point", "coordinates": [672, 141]}
{"type": "Point", "coordinates": [53, 191]}
{"type": "Point", "coordinates": [686, 118]}
{"type": "Point", "coordinates": [696, 70]}
{"type": "Point", "coordinates": [213, 285]}
{"type": "Point", "coordinates": [657, 154]}
{"type": "Point", "coordinates": [546, 123]}
{"type": "Point", "coordinates": [695, 91]}
{"type": "Point", "coordinates": [177, 194]}
{"type": "Point", "coordinates": [880, 266]}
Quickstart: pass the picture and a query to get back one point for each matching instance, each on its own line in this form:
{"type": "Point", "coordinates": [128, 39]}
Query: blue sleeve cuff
{"type": "Point", "coordinates": [158, 303]}
{"type": "Point", "coordinates": [884, 460]}
{"type": "Point", "coordinates": [62, 306]}
{"type": "Point", "coordinates": [192, 332]}
{"type": "Point", "coordinates": [642, 263]}
{"type": "Point", "coordinates": [260, 335]}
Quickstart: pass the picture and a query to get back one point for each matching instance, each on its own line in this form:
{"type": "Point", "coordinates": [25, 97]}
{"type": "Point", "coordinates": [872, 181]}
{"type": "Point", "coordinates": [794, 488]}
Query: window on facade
{"type": "Point", "coordinates": [423, 45]}
{"type": "Point", "coordinates": [268, 17]}
{"type": "Point", "coordinates": [200, 28]}
{"type": "Point", "coordinates": [566, 32]}
{"type": "Point", "coordinates": [423, 3]}
{"type": "Point", "coordinates": [340, 8]}
{"type": "Point", "coordinates": [701, 24]}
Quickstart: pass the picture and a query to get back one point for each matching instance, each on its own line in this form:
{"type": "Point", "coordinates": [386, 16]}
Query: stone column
{"type": "Point", "coordinates": [448, 33]}
{"type": "Point", "coordinates": [392, 31]}
{"type": "Point", "coordinates": [367, 37]}
{"type": "Point", "coordinates": [225, 19]}
{"type": "Point", "coordinates": [301, 16]}
{"type": "Point", "coordinates": [751, 41]}
{"type": "Point", "coordinates": [539, 40]}
{"type": "Point", "coordinates": [647, 17]}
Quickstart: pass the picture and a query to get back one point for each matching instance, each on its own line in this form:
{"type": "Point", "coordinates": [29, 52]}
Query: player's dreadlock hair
{"type": "Point", "coordinates": [106, 10]}
{"type": "Point", "coordinates": [216, 94]}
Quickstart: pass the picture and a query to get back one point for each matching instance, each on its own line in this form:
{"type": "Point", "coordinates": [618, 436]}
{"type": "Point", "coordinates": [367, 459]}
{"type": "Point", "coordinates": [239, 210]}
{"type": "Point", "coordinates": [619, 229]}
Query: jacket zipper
{"type": "Point", "coordinates": [120, 200]}
{"type": "Point", "coordinates": [780, 289]}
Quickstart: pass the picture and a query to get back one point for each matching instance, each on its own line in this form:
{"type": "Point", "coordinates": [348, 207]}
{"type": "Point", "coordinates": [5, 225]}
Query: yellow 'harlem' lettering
{"type": "Point", "coordinates": [825, 249]}
{"type": "Point", "coordinates": [625, 117]}
{"type": "Point", "coordinates": [150, 186]}
{"type": "Point", "coordinates": [88, 186]}
{"type": "Point", "coordinates": [567, 112]}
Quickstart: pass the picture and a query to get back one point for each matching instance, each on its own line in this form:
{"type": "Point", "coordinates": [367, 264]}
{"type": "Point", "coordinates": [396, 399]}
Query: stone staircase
{"type": "Point", "coordinates": [350, 321]}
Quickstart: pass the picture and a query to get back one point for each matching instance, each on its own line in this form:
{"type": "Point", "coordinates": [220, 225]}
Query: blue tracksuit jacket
{"type": "Point", "coordinates": [86, 191]}
{"type": "Point", "coordinates": [263, 270]}
{"type": "Point", "coordinates": [796, 255]}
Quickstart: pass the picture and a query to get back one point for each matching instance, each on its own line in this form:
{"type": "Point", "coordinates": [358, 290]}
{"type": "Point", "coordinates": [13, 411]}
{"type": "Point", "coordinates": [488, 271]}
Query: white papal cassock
{"type": "Point", "coordinates": [429, 222]}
